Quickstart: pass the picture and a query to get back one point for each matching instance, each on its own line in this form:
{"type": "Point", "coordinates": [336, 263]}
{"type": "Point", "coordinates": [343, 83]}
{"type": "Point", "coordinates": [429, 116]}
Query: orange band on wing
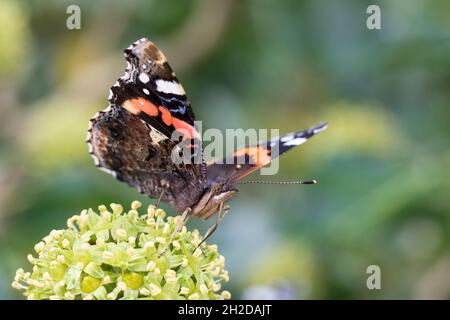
{"type": "Point", "coordinates": [182, 126]}
{"type": "Point", "coordinates": [140, 104]}
{"type": "Point", "coordinates": [259, 155]}
{"type": "Point", "coordinates": [166, 116]}
{"type": "Point", "coordinates": [137, 105]}
{"type": "Point", "coordinates": [131, 106]}
{"type": "Point", "coordinates": [185, 128]}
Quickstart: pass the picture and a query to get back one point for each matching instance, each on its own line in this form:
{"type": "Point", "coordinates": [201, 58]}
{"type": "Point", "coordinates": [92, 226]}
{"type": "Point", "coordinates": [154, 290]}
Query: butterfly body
{"type": "Point", "coordinates": [132, 139]}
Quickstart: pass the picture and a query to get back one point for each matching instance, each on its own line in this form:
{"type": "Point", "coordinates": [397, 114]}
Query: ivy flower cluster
{"type": "Point", "coordinates": [114, 254]}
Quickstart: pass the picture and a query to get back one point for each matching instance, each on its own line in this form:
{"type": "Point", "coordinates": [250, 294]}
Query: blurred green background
{"type": "Point", "coordinates": [383, 164]}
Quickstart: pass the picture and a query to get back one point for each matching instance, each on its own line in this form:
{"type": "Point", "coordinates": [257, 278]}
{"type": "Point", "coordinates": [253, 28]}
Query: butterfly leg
{"type": "Point", "coordinates": [222, 212]}
{"type": "Point", "coordinates": [160, 197]}
{"type": "Point", "coordinates": [181, 222]}
{"type": "Point", "coordinates": [165, 186]}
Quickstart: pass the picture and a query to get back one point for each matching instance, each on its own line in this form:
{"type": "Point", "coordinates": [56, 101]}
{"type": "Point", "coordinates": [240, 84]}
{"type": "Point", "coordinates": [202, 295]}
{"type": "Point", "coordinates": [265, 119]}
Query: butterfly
{"type": "Point", "coordinates": [132, 140]}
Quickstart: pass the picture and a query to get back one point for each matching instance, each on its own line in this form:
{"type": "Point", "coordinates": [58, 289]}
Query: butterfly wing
{"type": "Point", "coordinates": [249, 159]}
{"type": "Point", "coordinates": [150, 77]}
{"type": "Point", "coordinates": [132, 138]}
{"type": "Point", "coordinates": [151, 90]}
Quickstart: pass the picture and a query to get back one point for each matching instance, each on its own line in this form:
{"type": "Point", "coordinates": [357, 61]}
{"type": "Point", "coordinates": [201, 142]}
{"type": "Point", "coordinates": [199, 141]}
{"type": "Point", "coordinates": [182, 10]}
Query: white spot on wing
{"type": "Point", "coordinates": [146, 91]}
{"type": "Point", "coordinates": [295, 142]}
{"type": "Point", "coordinates": [287, 138]}
{"type": "Point", "coordinates": [169, 87]}
{"type": "Point", "coordinates": [143, 77]}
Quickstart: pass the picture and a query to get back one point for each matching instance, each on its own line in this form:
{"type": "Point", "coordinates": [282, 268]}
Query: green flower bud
{"type": "Point", "coordinates": [133, 280]}
{"type": "Point", "coordinates": [89, 284]}
{"type": "Point", "coordinates": [57, 271]}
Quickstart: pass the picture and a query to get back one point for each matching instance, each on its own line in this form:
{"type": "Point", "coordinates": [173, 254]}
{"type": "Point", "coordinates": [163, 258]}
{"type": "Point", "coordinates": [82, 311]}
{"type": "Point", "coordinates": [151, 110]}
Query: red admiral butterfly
{"type": "Point", "coordinates": [131, 139]}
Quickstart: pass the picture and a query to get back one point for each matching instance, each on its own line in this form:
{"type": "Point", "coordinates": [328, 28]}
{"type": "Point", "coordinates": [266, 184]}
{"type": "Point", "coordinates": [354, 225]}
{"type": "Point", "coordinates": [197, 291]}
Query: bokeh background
{"type": "Point", "coordinates": [383, 164]}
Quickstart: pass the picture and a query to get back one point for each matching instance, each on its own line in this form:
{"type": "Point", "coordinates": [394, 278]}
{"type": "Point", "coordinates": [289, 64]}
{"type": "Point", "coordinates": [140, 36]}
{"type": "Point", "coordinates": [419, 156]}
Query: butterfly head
{"type": "Point", "coordinates": [220, 186]}
{"type": "Point", "coordinates": [214, 198]}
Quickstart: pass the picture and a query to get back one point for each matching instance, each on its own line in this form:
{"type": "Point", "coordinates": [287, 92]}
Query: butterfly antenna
{"type": "Point", "coordinates": [280, 182]}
